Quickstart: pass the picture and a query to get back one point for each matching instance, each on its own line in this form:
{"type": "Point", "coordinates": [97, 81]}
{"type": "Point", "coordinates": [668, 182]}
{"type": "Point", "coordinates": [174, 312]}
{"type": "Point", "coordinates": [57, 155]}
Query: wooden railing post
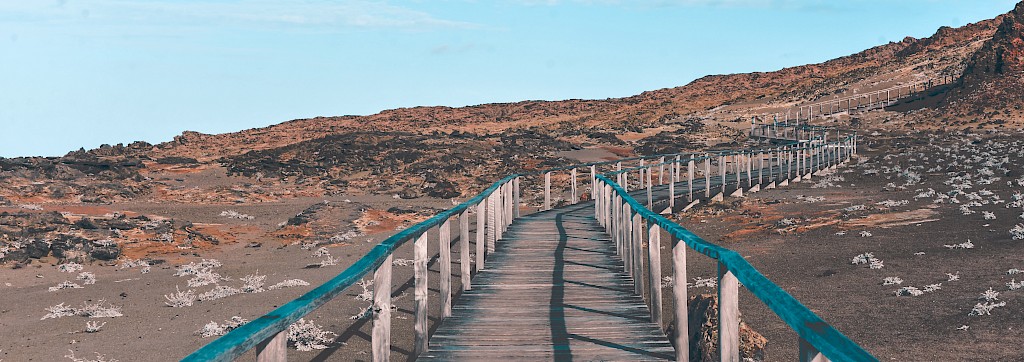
{"type": "Point", "coordinates": [381, 337]}
{"type": "Point", "coordinates": [672, 186]}
{"type": "Point", "coordinates": [760, 170]}
{"type": "Point", "coordinates": [689, 177]}
{"type": "Point", "coordinates": [641, 169]}
{"type": "Point", "coordinates": [481, 234]}
{"type": "Point", "coordinates": [464, 262]}
{"type": "Point", "coordinates": [420, 259]}
{"type": "Point", "coordinates": [625, 240]}
{"type": "Point", "coordinates": [593, 181]}
{"type": "Point", "coordinates": [654, 270]}
{"type": "Point", "coordinates": [492, 218]}
{"type": "Point", "coordinates": [680, 300]}
{"type": "Point", "coordinates": [810, 354]}
{"type": "Point", "coordinates": [661, 171]}
{"type": "Point", "coordinates": [575, 198]}
{"type": "Point", "coordinates": [516, 196]}
{"type": "Point", "coordinates": [274, 349]}
{"type": "Point", "coordinates": [728, 315]}
{"type": "Point", "coordinates": [616, 225]}
{"type": "Point", "coordinates": [635, 252]}
{"type": "Point", "coordinates": [721, 170]}
{"type": "Point", "coordinates": [547, 191]}
{"type": "Point", "coordinates": [444, 241]}
{"type": "Point", "coordinates": [650, 191]}
{"type": "Point", "coordinates": [707, 175]}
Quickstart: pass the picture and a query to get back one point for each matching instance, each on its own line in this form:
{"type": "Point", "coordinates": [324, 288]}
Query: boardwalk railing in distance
{"type": "Point", "coordinates": [631, 224]}
{"type": "Point", "coordinates": [862, 102]}
{"type": "Point", "coordinates": [494, 210]}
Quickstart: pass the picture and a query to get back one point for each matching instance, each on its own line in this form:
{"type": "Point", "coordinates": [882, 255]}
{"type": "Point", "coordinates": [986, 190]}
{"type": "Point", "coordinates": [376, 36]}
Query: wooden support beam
{"type": "Point", "coordinates": [274, 349]}
{"type": "Point", "coordinates": [481, 233]}
{"type": "Point", "coordinates": [679, 300]}
{"type": "Point", "coordinates": [444, 242]}
{"type": "Point", "coordinates": [810, 354]}
{"type": "Point", "coordinates": [654, 271]}
{"type": "Point", "coordinates": [464, 262]}
{"type": "Point", "coordinates": [547, 191]}
{"type": "Point", "coordinates": [728, 315]}
{"type": "Point", "coordinates": [635, 253]}
{"type": "Point", "coordinates": [420, 272]}
{"type": "Point", "coordinates": [381, 335]}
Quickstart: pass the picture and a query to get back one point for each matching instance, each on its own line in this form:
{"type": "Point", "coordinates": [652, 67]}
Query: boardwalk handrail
{"type": "Point", "coordinates": [495, 208]}
{"type": "Point", "coordinates": [623, 216]}
{"type": "Point", "coordinates": [269, 328]}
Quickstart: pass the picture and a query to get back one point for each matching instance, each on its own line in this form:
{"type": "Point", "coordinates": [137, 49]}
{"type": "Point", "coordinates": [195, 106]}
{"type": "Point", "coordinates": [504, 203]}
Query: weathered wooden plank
{"type": "Point", "coordinates": [420, 259]}
{"type": "Point", "coordinates": [445, 260]}
{"type": "Point", "coordinates": [465, 263]}
{"type": "Point", "coordinates": [728, 315]}
{"type": "Point", "coordinates": [274, 349]}
{"type": "Point", "coordinates": [381, 335]}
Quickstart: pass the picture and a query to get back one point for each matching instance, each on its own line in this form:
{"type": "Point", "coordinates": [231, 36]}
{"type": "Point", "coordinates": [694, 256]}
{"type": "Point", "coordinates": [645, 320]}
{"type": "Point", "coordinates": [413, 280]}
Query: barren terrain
{"type": "Point", "coordinates": [910, 250]}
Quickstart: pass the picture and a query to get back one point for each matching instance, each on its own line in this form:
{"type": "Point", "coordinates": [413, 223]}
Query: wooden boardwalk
{"type": "Point", "coordinates": [553, 290]}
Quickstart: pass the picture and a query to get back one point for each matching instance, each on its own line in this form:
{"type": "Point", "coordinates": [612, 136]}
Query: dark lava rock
{"type": "Point", "coordinates": [105, 253]}
{"type": "Point", "coordinates": [86, 224]}
{"type": "Point", "coordinates": [444, 190]}
{"type": "Point", "coordinates": [176, 161]}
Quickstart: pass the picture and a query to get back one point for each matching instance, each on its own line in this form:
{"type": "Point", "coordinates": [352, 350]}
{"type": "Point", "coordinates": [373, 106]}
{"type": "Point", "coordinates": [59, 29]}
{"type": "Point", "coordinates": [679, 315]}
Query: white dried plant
{"type": "Point", "coordinates": [99, 358]}
{"type": "Point", "coordinates": [236, 215]}
{"type": "Point", "coordinates": [709, 282]}
{"type": "Point", "coordinates": [69, 267]}
{"type": "Point", "coordinates": [328, 261]}
{"type": "Point", "coordinates": [1014, 285]}
{"type": "Point", "coordinates": [253, 283]}
{"type": "Point", "coordinates": [307, 336]}
{"type": "Point", "coordinates": [180, 299]}
{"type": "Point", "coordinates": [288, 284]}
{"type": "Point", "coordinates": [98, 310]}
{"type": "Point", "coordinates": [950, 277]}
{"type": "Point", "coordinates": [988, 215]}
{"type": "Point", "coordinates": [964, 245]}
{"type": "Point", "coordinates": [892, 281]}
{"type": "Point", "coordinates": [67, 284]}
{"type": "Point", "coordinates": [59, 311]}
{"type": "Point", "coordinates": [985, 308]}
{"type": "Point", "coordinates": [401, 262]}
{"type": "Point", "coordinates": [908, 290]}
{"type": "Point", "coordinates": [367, 294]}
{"type": "Point", "coordinates": [1014, 271]}
{"type": "Point", "coordinates": [322, 251]}
{"type": "Point", "coordinates": [213, 329]}
{"type": "Point", "coordinates": [989, 295]}
{"type": "Point", "coordinates": [93, 326]}
{"type": "Point", "coordinates": [1017, 232]}
{"type": "Point", "coordinates": [87, 278]}
{"type": "Point", "coordinates": [218, 292]}
{"type": "Point", "coordinates": [931, 288]}
{"type": "Point", "coordinates": [204, 278]}
{"type": "Point", "coordinates": [865, 234]}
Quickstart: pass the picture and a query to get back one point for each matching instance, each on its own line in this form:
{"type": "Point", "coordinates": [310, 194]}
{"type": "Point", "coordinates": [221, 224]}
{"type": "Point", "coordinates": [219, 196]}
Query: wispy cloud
{"type": "Point", "coordinates": [300, 14]}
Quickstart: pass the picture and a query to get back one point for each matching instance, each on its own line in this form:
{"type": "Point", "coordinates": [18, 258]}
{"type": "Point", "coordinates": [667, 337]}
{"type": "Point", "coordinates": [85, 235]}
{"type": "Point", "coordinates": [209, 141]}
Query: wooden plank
{"type": "Point", "coordinates": [274, 349]}
{"type": "Point", "coordinates": [381, 335]}
{"type": "Point", "coordinates": [481, 212]}
{"type": "Point", "coordinates": [680, 300]}
{"type": "Point", "coordinates": [728, 315]}
{"type": "Point", "coordinates": [444, 241]}
{"type": "Point", "coordinates": [420, 259]}
{"type": "Point", "coordinates": [654, 271]}
{"type": "Point", "coordinates": [465, 263]}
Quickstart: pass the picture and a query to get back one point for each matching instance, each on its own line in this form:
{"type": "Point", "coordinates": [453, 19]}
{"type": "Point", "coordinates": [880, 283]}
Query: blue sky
{"type": "Point", "coordinates": [78, 73]}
